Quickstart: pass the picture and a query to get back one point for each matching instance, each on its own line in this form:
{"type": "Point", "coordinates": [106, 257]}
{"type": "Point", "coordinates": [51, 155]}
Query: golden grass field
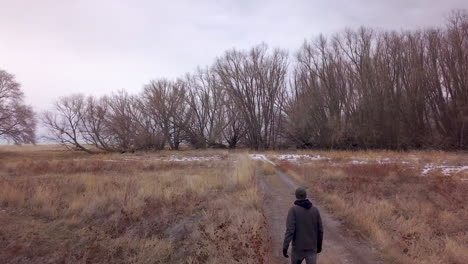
{"type": "Point", "coordinates": [58, 206]}
{"type": "Point", "coordinates": [409, 215]}
{"type": "Point", "coordinates": [65, 207]}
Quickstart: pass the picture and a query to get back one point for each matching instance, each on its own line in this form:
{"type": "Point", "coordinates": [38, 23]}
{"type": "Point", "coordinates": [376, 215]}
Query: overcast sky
{"type": "Point", "coordinates": [59, 47]}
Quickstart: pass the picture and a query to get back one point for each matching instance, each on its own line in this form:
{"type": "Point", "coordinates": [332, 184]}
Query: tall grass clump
{"type": "Point", "coordinates": [244, 171]}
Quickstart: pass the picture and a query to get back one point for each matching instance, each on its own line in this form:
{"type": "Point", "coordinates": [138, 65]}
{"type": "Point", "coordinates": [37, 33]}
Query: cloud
{"type": "Point", "coordinates": [58, 47]}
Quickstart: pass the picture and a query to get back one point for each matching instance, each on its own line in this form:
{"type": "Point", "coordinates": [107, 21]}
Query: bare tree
{"type": "Point", "coordinates": [148, 136]}
{"type": "Point", "coordinates": [448, 62]}
{"type": "Point", "coordinates": [318, 106]}
{"type": "Point", "coordinates": [165, 102]}
{"type": "Point", "coordinates": [127, 123]}
{"type": "Point", "coordinates": [234, 125]}
{"type": "Point", "coordinates": [17, 121]}
{"type": "Point", "coordinates": [65, 123]}
{"type": "Point", "coordinates": [95, 126]}
{"type": "Point", "coordinates": [111, 123]}
{"type": "Point", "coordinates": [205, 99]}
{"type": "Point", "coordinates": [255, 81]}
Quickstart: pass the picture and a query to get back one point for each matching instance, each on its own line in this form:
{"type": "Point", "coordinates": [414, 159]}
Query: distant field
{"type": "Point", "coordinates": [58, 206]}
{"type": "Point", "coordinates": [64, 207]}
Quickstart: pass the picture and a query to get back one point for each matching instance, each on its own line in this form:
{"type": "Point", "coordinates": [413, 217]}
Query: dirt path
{"type": "Point", "coordinates": [339, 245]}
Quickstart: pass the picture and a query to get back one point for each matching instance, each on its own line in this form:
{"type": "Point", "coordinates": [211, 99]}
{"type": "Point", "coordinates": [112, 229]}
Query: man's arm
{"type": "Point", "coordinates": [319, 233]}
{"type": "Point", "coordinates": [290, 228]}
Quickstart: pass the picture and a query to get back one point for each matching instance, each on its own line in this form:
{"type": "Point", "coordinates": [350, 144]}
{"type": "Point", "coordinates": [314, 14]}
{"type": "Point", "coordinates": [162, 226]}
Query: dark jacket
{"type": "Point", "coordinates": [304, 228]}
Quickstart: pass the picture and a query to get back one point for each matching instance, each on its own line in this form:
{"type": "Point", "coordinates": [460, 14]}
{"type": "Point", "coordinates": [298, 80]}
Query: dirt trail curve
{"type": "Point", "coordinates": [339, 245]}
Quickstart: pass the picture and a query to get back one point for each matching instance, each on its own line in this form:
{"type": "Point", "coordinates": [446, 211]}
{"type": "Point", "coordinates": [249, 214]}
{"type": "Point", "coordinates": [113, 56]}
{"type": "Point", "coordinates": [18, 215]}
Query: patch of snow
{"type": "Point", "coordinates": [453, 169]}
{"type": "Point", "coordinates": [426, 169]}
{"type": "Point", "coordinates": [296, 157]}
{"type": "Point", "coordinates": [261, 157]}
{"type": "Point", "coordinates": [359, 162]}
{"type": "Point", "coordinates": [385, 161]}
{"type": "Point", "coordinates": [378, 161]}
{"type": "Point", "coordinates": [446, 170]}
{"type": "Point", "coordinates": [120, 160]}
{"type": "Point", "coordinates": [171, 159]}
{"type": "Point", "coordinates": [192, 158]}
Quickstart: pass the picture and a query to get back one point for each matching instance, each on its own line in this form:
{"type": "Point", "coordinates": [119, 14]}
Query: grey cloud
{"type": "Point", "coordinates": [58, 47]}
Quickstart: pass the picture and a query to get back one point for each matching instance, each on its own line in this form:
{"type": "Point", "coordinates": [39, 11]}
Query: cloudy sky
{"type": "Point", "coordinates": [59, 47]}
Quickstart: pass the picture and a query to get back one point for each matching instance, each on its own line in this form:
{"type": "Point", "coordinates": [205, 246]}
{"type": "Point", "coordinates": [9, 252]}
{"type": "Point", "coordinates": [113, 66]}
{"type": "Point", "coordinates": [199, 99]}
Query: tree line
{"type": "Point", "coordinates": [358, 89]}
{"type": "Point", "coordinates": [382, 89]}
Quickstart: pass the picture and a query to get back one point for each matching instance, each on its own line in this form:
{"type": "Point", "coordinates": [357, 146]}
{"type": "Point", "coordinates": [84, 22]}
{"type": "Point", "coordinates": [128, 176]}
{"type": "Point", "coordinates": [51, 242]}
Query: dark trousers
{"type": "Point", "coordinates": [309, 257]}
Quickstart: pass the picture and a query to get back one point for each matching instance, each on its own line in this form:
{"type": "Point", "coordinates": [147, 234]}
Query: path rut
{"type": "Point", "coordinates": [340, 246]}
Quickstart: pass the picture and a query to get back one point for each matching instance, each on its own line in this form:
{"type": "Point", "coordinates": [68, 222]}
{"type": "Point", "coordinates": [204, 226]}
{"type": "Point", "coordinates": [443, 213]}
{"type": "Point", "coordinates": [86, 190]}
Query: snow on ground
{"type": "Point", "coordinates": [261, 157]}
{"type": "Point", "coordinates": [446, 170]}
{"type": "Point", "coordinates": [286, 157]}
{"type": "Point", "coordinates": [296, 157]}
{"type": "Point", "coordinates": [379, 161]}
{"type": "Point", "coordinates": [172, 158]}
{"type": "Point", "coordinates": [359, 162]}
{"type": "Point", "coordinates": [192, 158]}
{"type": "Point", "coordinates": [304, 157]}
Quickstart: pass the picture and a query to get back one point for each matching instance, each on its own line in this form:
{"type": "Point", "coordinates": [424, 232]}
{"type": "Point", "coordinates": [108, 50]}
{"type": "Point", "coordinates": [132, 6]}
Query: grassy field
{"type": "Point", "coordinates": [58, 206]}
{"type": "Point", "coordinates": [65, 207]}
{"type": "Point", "coordinates": [411, 206]}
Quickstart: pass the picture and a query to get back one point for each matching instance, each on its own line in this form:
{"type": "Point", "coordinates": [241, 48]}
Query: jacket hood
{"type": "Point", "coordinates": [303, 203]}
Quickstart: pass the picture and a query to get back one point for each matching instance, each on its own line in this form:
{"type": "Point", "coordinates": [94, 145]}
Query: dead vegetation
{"type": "Point", "coordinates": [58, 207]}
{"type": "Point", "coordinates": [409, 216]}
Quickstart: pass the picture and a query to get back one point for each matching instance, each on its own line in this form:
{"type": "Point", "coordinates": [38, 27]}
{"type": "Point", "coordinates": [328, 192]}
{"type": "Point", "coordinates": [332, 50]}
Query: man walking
{"type": "Point", "coordinates": [304, 229]}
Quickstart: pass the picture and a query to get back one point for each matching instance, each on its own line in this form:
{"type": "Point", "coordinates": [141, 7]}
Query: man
{"type": "Point", "coordinates": [304, 229]}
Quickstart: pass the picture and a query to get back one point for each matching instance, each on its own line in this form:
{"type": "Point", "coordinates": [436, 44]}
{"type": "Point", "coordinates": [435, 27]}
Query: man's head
{"type": "Point", "coordinates": [301, 193]}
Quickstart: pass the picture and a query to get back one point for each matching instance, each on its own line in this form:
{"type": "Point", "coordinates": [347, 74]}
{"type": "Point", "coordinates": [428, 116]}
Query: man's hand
{"type": "Point", "coordinates": [285, 253]}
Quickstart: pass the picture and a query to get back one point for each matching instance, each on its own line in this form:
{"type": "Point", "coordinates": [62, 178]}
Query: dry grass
{"type": "Point", "coordinates": [410, 218]}
{"type": "Point", "coordinates": [268, 168]}
{"type": "Point", "coordinates": [63, 207]}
